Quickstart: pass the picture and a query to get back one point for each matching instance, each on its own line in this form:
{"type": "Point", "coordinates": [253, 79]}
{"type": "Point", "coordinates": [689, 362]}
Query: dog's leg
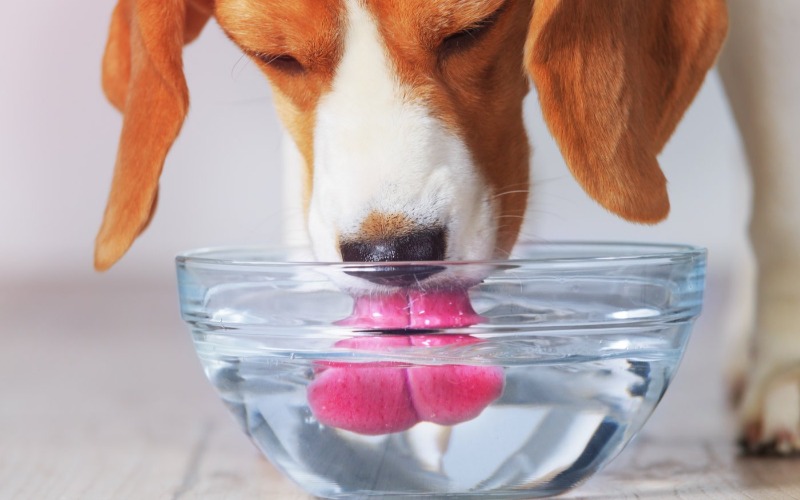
{"type": "Point", "coordinates": [740, 323]}
{"type": "Point", "coordinates": [763, 83]}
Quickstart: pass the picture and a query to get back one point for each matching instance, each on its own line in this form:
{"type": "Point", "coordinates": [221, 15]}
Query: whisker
{"type": "Point", "coordinates": [234, 73]}
{"type": "Point", "coordinates": [511, 216]}
{"type": "Point", "coordinates": [501, 251]}
{"type": "Point", "coordinates": [506, 193]}
{"type": "Point", "coordinates": [540, 212]}
{"type": "Point", "coordinates": [549, 179]}
{"type": "Point", "coordinates": [539, 197]}
{"type": "Point", "coordinates": [516, 185]}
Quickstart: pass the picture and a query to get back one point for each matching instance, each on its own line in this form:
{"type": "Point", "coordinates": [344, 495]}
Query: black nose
{"type": "Point", "coordinates": [419, 245]}
{"type": "Point", "coordinates": [423, 244]}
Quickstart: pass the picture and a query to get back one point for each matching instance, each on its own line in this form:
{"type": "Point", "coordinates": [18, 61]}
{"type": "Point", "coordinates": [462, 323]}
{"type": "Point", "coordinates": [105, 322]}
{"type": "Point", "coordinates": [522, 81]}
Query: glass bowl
{"type": "Point", "coordinates": [500, 379]}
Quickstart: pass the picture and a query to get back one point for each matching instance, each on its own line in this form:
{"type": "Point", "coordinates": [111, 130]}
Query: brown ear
{"type": "Point", "coordinates": [143, 78]}
{"type": "Point", "coordinates": [614, 78]}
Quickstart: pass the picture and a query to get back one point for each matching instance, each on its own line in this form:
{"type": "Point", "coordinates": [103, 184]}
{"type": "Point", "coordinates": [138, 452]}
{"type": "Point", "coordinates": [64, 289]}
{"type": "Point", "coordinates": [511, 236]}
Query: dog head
{"type": "Point", "coordinates": [408, 115]}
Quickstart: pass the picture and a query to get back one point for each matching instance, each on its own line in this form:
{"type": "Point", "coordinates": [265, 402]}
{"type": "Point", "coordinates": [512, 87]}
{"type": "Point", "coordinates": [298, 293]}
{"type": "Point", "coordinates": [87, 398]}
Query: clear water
{"type": "Point", "coordinates": [562, 414]}
{"type": "Point", "coordinates": [587, 337]}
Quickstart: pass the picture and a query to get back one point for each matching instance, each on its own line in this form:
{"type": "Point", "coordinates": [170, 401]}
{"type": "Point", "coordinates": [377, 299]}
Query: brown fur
{"type": "Point", "coordinates": [143, 77]}
{"type": "Point", "coordinates": [309, 30]}
{"type": "Point", "coordinates": [379, 226]}
{"type": "Point", "coordinates": [614, 78]}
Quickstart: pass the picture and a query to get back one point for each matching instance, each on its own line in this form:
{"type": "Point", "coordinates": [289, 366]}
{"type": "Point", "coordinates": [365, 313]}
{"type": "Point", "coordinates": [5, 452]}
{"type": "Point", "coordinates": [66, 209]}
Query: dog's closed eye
{"type": "Point", "coordinates": [282, 62]}
{"type": "Point", "coordinates": [465, 38]}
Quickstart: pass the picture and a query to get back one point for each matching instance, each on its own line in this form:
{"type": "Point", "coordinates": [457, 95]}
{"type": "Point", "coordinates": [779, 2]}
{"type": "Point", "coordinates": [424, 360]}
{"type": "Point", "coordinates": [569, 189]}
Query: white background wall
{"type": "Point", "coordinates": [221, 184]}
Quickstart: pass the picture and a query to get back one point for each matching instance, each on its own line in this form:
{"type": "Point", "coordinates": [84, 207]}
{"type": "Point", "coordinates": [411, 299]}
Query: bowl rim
{"type": "Point", "coordinates": [643, 252]}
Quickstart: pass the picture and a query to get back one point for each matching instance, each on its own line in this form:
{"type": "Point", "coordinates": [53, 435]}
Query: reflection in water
{"type": "Point", "coordinates": [382, 397]}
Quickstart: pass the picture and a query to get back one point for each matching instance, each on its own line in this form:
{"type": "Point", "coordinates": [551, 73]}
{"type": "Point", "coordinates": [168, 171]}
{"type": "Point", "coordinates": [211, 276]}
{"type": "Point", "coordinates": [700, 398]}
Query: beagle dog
{"type": "Point", "coordinates": [407, 117]}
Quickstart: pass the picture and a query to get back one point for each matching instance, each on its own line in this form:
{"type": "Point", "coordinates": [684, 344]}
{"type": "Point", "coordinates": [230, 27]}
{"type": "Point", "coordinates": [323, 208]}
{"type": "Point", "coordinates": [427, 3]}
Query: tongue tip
{"type": "Point", "coordinates": [416, 309]}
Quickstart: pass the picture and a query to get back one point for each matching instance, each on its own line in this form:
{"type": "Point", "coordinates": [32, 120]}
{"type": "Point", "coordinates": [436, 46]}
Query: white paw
{"type": "Point", "coordinates": [770, 409]}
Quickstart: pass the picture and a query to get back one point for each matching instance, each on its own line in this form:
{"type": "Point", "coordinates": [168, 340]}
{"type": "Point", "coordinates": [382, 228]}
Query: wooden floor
{"type": "Point", "coordinates": [102, 398]}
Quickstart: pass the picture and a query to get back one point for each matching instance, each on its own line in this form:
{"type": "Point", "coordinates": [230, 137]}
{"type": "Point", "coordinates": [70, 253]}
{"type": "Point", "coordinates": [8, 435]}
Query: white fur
{"type": "Point", "coordinates": [378, 149]}
{"type": "Point", "coordinates": [763, 82]}
{"type": "Point", "coordinates": [294, 180]}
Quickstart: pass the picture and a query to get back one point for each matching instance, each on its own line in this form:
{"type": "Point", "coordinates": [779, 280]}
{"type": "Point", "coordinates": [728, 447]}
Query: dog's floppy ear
{"type": "Point", "coordinates": [614, 77]}
{"type": "Point", "coordinates": [143, 78]}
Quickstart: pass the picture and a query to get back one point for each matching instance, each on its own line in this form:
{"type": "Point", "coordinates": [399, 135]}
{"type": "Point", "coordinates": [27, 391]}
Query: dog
{"type": "Point", "coordinates": [406, 116]}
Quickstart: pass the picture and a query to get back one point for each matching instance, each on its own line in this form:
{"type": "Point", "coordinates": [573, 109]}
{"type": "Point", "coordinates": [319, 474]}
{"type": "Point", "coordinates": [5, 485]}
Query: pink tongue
{"type": "Point", "coordinates": [414, 309]}
{"type": "Point", "coordinates": [379, 398]}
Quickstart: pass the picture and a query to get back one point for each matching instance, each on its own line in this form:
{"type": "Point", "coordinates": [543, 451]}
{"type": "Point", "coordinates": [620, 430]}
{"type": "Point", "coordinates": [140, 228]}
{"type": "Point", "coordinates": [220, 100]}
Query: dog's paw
{"type": "Point", "coordinates": [770, 408]}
